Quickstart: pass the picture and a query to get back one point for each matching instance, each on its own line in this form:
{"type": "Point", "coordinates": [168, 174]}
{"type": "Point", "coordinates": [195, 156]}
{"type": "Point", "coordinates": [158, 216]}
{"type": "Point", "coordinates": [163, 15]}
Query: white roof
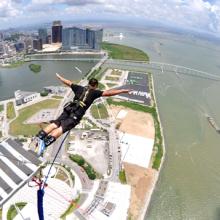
{"type": "Point", "coordinates": [16, 166]}
{"type": "Point", "coordinates": [56, 200]}
{"type": "Point", "coordinates": [121, 114]}
{"type": "Point", "coordinates": [135, 149]}
{"type": "Point", "coordinates": [113, 194]}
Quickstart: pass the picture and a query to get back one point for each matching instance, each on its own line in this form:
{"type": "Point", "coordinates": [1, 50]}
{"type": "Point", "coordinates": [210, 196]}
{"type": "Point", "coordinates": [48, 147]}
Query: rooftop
{"type": "Point", "coordinates": [17, 166]}
{"type": "Point", "coordinates": [22, 94]}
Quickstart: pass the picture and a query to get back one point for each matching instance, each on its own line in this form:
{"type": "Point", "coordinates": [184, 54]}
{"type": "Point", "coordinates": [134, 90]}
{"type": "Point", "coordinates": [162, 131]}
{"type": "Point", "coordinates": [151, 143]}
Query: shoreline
{"type": "Point", "coordinates": [149, 196]}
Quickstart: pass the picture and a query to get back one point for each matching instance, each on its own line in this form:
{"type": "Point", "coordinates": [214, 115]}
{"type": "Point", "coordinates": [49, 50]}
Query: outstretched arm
{"type": "Point", "coordinates": [63, 80]}
{"type": "Point", "coordinates": [113, 92]}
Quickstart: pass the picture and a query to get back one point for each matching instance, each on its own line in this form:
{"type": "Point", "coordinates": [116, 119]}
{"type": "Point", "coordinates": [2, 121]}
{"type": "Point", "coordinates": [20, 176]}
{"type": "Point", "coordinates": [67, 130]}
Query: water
{"type": "Point", "coordinates": [189, 183]}
{"type": "Point", "coordinates": [23, 78]}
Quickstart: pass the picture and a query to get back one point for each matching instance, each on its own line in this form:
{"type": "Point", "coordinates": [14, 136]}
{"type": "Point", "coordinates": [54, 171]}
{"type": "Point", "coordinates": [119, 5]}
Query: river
{"type": "Point", "coordinates": [189, 183]}
{"type": "Point", "coordinates": [22, 78]}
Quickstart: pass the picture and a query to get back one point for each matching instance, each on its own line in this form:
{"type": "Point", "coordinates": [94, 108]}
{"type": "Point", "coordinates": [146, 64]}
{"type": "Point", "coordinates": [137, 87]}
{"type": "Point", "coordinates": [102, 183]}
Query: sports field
{"type": "Point", "coordinates": [17, 127]}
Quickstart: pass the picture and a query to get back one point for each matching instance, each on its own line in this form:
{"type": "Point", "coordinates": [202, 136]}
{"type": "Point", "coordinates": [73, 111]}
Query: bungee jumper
{"type": "Point", "coordinates": [72, 112]}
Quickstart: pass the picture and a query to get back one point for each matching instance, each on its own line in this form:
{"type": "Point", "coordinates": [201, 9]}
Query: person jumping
{"type": "Point", "coordinates": [72, 112]}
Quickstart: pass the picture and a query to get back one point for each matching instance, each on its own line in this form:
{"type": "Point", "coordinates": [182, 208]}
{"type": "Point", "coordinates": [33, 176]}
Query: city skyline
{"type": "Point", "coordinates": [201, 15]}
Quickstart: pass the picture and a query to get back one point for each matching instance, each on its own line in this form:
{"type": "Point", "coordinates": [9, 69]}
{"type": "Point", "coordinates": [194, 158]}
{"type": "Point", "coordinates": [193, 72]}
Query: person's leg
{"type": "Point", "coordinates": [65, 126]}
{"type": "Point", "coordinates": [44, 137]}
{"type": "Point", "coordinates": [45, 131]}
{"type": "Point", "coordinates": [54, 124]}
{"type": "Point", "coordinates": [57, 132]}
{"type": "Point", "coordinates": [50, 128]}
{"type": "Point", "coordinates": [51, 138]}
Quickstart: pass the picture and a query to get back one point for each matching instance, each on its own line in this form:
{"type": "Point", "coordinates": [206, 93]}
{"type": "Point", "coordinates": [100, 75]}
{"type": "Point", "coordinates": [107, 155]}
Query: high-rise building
{"type": "Point", "coordinates": [94, 38]}
{"type": "Point", "coordinates": [74, 37]}
{"type": "Point", "coordinates": [28, 42]}
{"type": "Point", "coordinates": [19, 46]}
{"type": "Point", "coordinates": [1, 36]}
{"type": "Point", "coordinates": [2, 48]}
{"type": "Point", "coordinates": [57, 32]}
{"type": "Point", "coordinates": [49, 39]}
{"type": "Point", "coordinates": [98, 35]}
{"type": "Point", "coordinates": [42, 33]}
{"type": "Point", "coordinates": [77, 38]}
{"type": "Point", "coordinates": [37, 44]}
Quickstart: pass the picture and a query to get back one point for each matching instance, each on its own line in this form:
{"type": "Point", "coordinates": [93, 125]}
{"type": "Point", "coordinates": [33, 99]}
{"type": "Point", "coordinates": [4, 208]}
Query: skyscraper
{"type": "Point", "coordinates": [78, 38]}
{"type": "Point", "coordinates": [98, 35]}
{"type": "Point", "coordinates": [94, 38]}
{"type": "Point", "coordinates": [19, 46]}
{"type": "Point", "coordinates": [1, 36]}
{"type": "Point", "coordinates": [37, 44]}
{"type": "Point", "coordinates": [42, 32]}
{"type": "Point", "coordinates": [57, 32]}
{"type": "Point", "coordinates": [74, 37]}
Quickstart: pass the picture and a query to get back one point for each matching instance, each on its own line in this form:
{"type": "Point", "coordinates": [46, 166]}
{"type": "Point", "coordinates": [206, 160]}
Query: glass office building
{"type": "Point", "coordinates": [57, 32]}
{"type": "Point", "coordinates": [78, 38]}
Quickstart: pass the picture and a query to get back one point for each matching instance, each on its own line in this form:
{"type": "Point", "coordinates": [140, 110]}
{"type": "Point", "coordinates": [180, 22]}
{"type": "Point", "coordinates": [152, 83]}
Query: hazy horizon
{"type": "Point", "coordinates": [197, 15]}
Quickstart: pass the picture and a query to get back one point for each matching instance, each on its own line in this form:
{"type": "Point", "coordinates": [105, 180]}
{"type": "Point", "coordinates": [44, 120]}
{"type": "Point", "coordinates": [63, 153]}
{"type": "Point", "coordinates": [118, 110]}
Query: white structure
{"type": "Point", "coordinates": [112, 205]}
{"type": "Point", "coordinates": [57, 90]}
{"type": "Point", "coordinates": [22, 97]}
{"type": "Point", "coordinates": [135, 149]}
{"type": "Point", "coordinates": [122, 114]}
{"type": "Point", "coordinates": [57, 199]}
{"type": "Point", "coordinates": [16, 167]}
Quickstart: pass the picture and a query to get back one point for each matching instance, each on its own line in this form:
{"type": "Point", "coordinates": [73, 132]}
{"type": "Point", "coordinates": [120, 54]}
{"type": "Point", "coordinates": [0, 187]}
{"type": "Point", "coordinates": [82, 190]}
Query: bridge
{"type": "Point", "coordinates": [162, 67]}
{"type": "Point", "coordinates": [165, 67]}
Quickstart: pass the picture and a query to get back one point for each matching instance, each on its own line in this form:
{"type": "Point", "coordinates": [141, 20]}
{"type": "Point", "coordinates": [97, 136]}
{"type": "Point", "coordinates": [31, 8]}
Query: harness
{"type": "Point", "coordinates": [78, 104]}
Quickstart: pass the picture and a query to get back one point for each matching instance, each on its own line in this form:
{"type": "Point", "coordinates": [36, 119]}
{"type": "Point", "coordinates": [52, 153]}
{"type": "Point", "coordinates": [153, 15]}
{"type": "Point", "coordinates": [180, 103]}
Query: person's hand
{"type": "Point", "coordinates": [58, 75]}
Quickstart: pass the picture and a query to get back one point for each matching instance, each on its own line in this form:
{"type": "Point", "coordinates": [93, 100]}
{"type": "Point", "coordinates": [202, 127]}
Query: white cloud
{"type": "Point", "coordinates": [199, 14]}
{"type": "Point", "coordinates": [68, 2]}
{"type": "Point", "coordinates": [7, 10]}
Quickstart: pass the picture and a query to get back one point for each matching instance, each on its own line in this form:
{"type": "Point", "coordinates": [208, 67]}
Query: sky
{"type": "Point", "coordinates": [201, 15]}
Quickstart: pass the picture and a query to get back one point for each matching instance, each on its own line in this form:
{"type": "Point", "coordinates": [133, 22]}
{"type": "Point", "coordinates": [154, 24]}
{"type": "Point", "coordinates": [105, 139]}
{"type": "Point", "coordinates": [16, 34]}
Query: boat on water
{"type": "Point", "coordinates": [213, 123]}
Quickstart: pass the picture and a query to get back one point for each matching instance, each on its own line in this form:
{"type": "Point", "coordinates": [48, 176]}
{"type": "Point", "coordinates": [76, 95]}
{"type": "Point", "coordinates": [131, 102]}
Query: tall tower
{"type": "Point", "coordinates": [57, 32]}
{"type": "Point", "coordinates": [42, 32]}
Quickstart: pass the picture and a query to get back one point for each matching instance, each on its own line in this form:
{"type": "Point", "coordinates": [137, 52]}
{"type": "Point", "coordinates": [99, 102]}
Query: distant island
{"type": "Point", "coordinates": [35, 68]}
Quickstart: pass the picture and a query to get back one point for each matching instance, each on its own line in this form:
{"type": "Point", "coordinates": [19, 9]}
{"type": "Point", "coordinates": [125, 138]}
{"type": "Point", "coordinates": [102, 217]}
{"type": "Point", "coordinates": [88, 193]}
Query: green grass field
{"type": "Point", "coordinates": [12, 211]}
{"type": "Point", "coordinates": [111, 78]}
{"type": "Point", "coordinates": [117, 51]}
{"type": "Point", "coordinates": [116, 73]}
{"type": "Point", "coordinates": [99, 111]}
{"type": "Point", "coordinates": [1, 108]}
{"type": "Point", "coordinates": [18, 128]}
{"type": "Point", "coordinates": [15, 64]}
{"type": "Point", "coordinates": [122, 177]}
{"type": "Point", "coordinates": [111, 84]}
{"type": "Point", "coordinates": [10, 110]}
{"type": "Point", "coordinates": [57, 97]}
{"type": "Point", "coordinates": [73, 206]}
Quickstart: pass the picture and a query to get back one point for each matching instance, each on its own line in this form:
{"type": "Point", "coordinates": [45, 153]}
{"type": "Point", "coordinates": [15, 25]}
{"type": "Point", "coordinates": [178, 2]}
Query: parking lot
{"type": "Point", "coordinates": [42, 116]}
{"type": "Point", "coordinates": [93, 146]}
{"type": "Point", "coordinates": [139, 84]}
